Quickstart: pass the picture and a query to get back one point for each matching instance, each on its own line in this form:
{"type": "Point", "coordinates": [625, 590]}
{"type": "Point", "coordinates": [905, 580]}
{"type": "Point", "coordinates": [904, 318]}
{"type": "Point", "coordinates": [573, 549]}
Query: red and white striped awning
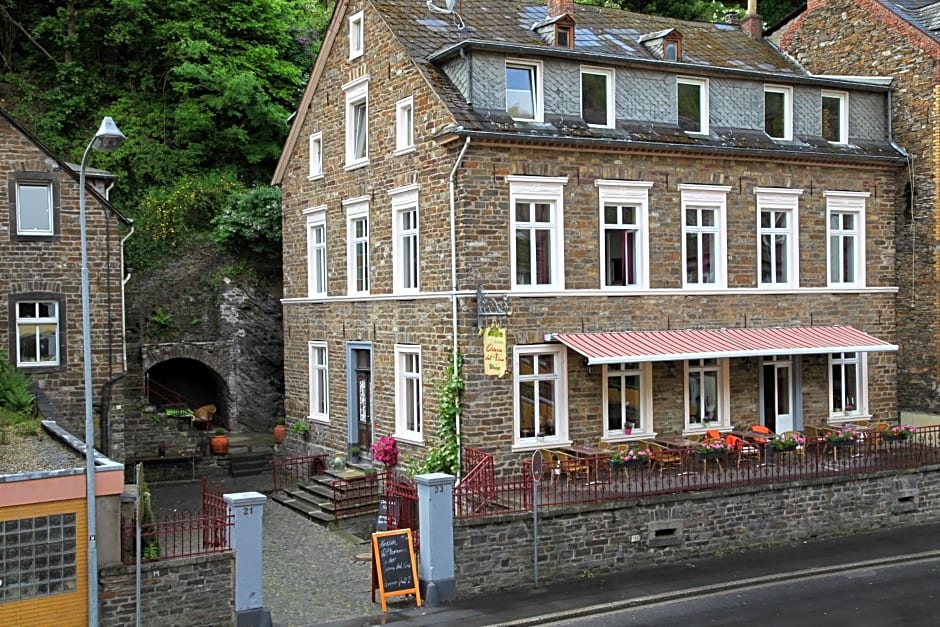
{"type": "Point", "coordinates": [680, 345]}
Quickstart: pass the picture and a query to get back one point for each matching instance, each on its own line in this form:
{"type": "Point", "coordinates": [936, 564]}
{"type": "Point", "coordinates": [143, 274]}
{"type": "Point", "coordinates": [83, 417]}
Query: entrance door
{"type": "Point", "coordinates": [359, 395]}
{"type": "Point", "coordinates": [778, 394]}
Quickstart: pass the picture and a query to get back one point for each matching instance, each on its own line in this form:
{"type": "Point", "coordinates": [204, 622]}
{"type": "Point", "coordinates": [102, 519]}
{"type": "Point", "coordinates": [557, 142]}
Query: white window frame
{"type": "Point", "coordinates": [860, 360]}
{"type": "Point", "coordinates": [316, 156]}
{"type": "Point", "coordinates": [406, 271]}
{"type": "Point", "coordinates": [787, 110]}
{"type": "Point", "coordinates": [841, 203]}
{"type": "Point", "coordinates": [316, 252]}
{"type": "Point", "coordinates": [702, 84]}
{"type": "Point", "coordinates": [609, 79]}
{"type": "Point", "coordinates": [357, 93]}
{"type": "Point", "coordinates": [539, 189]}
{"type": "Point", "coordinates": [318, 359]}
{"type": "Point", "coordinates": [34, 323]}
{"type": "Point", "coordinates": [535, 67]}
{"type": "Point", "coordinates": [843, 98]}
{"type": "Point", "coordinates": [357, 35]}
{"type": "Point", "coordinates": [706, 197]}
{"type": "Point", "coordinates": [357, 209]}
{"type": "Point", "coordinates": [560, 378]}
{"type": "Point", "coordinates": [779, 200]}
{"type": "Point", "coordinates": [409, 409]}
{"type": "Point", "coordinates": [405, 124]}
{"type": "Point", "coordinates": [644, 424]}
{"type": "Point", "coordinates": [635, 193]}
{"type": "Point", "coordinates": [722, 403]}
{"type": "Point", "coordinates": [49, 230]}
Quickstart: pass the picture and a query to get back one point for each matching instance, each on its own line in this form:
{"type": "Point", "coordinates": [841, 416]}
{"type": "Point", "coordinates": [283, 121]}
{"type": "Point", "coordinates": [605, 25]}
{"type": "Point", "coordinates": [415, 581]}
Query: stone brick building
{"type": "Point", "coordinates": [677, 227]}
{"type": "Point", "coordinates": [40, 277]}
{"type": "Point", "coordinates": [899, 39]}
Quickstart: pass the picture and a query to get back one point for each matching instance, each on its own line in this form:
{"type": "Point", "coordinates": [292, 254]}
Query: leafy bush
{"type": "Point", "coordinates": [14, 388]}
{"type": "Point", "coordinates": [251, 222]}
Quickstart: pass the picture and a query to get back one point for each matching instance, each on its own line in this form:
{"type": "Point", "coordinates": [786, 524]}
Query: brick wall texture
{"type": "Point", "coordinates": [589, 541]}
{"type": "Point", "coordinates": [483, 245]}
{"type": "Point", "coordinates": [864, 38]}
{"type": "Point", "coordinates": [187, 592]}
{"type": "Point", "coordinates": [54, 268]}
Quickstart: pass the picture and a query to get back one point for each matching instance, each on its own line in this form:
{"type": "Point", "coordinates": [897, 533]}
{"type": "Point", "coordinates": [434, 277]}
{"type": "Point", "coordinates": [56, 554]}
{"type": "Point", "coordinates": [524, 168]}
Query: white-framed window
{"type": "Point", "coordinates": [845, 215]}
{"type": "Point", "coordinates": [37, 333]}
{"type": "Point", "coordinates": [316, 156]}
{"type": "Point", "coordinates": [536, 226]}
{"type": "Point", "coordinates": [34, 208]}
{"type": "Point", "coordinates": [408, 395]}
{"type": "Point", "coordinates": [540, 400]}
{"type": "Point", "coordinates": [848, 388]}
{"type": "Point", "coordinates": [357, 245]}
{"type": "Point", "coordinates": [316, 251]}
{"type": "Point", "coordinates": [405, 239]}
{"type": "Point", "coordinates": [778, 231]}
{"type": "Point", "coordinates": [318, 359]}
{"type": "Point", "coordinates": [405, 124]}
{"type": "Point", "coordinates": [597, 96]}
{"type": "Point", "coordinates": [524, 90]}
{"type": "Point", "coordinates": [707, 398]}
{"type": "Point", "coordinates": [692, 104]}
{"type": "Point", "coordinates": [357, 35]}
{"type": "Point", "coordinates": [778, 112]}
{"type": "Point", "coordinates": [628, 400]}
{"type": "Point", "coordinates": [624, 237]}
{"type": "Point", "coordinates": [704, 235]}
{"type": "Point", "coordinates": [357, 122]}
{"type": "Point", "coordinates": [834, 116]}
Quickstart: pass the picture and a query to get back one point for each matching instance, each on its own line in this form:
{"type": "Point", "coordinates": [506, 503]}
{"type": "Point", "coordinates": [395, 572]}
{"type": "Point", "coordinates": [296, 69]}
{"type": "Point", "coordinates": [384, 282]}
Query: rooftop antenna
{"type": "Point", "coordinates": [448, 9]}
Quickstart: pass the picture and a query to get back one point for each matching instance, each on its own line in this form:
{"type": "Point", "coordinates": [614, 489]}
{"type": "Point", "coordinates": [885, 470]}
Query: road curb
{"type": "Point", "coordinates": [700, 591]}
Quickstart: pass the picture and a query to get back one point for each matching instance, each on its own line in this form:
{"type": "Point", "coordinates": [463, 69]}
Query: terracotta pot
{"type": "Point", "coordinates": [219, 444]}
{"type": "Point", "coordinates": [280, 432]}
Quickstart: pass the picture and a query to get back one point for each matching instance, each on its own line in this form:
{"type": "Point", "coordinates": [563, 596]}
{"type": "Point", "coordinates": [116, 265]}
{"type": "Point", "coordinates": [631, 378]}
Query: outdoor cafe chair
{"type": "Point", "coordinates": [664, 457]}
{"type": "Point", "coordinates": [571, 465]}
{"type": "Point", "coordinates": [741, 449]}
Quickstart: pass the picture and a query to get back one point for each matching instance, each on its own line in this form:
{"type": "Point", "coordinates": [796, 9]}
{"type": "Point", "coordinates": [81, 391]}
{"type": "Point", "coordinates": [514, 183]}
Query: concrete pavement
{"type": "Point", "coordinates": [559, 601]}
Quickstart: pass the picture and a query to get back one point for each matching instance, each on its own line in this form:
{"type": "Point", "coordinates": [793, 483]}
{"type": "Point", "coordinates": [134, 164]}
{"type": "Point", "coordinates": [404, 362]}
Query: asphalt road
{"type": "Point", "coordinates": [901, 595]}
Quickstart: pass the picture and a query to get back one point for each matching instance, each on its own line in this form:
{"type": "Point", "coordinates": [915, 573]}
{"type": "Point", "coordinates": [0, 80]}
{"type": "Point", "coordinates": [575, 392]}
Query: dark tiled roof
{"type": "Point", "coordinates": [598, 30]}
{"type": "Point", "coordinates": [923, 14]}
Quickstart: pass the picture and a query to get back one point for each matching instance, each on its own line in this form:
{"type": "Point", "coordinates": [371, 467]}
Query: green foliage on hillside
{"type": "Point", "coordinates": [770, 11]}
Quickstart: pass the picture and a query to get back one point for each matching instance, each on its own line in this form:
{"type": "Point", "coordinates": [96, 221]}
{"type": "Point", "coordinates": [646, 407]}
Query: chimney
{"type": "Point", "coordinates": [558, 8]}
{"type": "Point", "coordinates": [752, 24]}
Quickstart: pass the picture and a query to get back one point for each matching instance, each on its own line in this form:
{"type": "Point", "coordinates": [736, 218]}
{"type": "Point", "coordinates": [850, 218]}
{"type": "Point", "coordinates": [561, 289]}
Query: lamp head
{"type": "Point", "coordinates": [109, 137]}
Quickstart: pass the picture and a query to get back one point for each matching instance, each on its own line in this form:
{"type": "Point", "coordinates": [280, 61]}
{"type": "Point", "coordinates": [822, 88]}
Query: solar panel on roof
{"type": "Point", "coordinates": [627, 45]}
{"type": "Point", "coordinates": [586, 38]}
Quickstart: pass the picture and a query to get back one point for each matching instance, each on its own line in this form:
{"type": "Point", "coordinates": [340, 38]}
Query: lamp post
{"type": "Point", "coordinates": [108, 138]}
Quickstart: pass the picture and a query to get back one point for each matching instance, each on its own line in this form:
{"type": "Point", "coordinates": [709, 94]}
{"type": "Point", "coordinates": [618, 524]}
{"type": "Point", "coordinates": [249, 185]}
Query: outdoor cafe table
{"type": "Point", "coordinates": [594, 454]}
{"type": "Point", "coordinates": [679, 444]}
{"type": "Point", "coordinates": [759, 439]}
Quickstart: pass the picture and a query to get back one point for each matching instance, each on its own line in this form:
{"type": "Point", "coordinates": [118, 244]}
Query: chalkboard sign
{"type": "Point", "coordinates": [394, 570]}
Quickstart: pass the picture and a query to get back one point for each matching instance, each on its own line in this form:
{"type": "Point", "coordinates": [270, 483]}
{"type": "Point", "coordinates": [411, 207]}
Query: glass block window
{"type": "Point", "coordinates": [37, 557]}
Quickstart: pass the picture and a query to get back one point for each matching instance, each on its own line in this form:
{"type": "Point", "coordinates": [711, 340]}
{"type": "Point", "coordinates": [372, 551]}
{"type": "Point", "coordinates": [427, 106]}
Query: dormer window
{"type": "Point", "coordinates": [665, 44]}
{"type": "Point", "coordinates": [564, 36]}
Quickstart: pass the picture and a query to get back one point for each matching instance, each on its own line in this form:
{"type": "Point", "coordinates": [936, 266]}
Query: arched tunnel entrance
{"type": "Point", "coordinates": [187, 383]}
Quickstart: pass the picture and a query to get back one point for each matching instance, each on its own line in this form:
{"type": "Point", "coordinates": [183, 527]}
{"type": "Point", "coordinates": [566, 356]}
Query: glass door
{"type": "Point", "coordinates": [777, 388]}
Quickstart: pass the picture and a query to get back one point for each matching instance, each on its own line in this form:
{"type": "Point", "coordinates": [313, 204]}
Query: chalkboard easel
{"type": "Point", "coordinates": [394, 570]}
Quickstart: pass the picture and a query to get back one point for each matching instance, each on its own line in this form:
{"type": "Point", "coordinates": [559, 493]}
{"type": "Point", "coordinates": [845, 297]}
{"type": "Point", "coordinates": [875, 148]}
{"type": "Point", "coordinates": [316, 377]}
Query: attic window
{"type": "Point", "coordinates": [672, 48]}
{"type": "Point", "coordinates": [564, 36]}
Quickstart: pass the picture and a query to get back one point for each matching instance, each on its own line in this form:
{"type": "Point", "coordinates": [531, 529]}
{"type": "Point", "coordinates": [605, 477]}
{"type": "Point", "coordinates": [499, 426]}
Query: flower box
{"type": "Point", "coordinates": [702, 455]}
{"type": "Point", "coordinates": [893, 437]}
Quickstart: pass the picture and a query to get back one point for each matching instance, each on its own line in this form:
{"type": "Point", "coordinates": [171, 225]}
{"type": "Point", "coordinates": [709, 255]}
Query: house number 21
{"type": "Point", "coordinates": [247, 511]}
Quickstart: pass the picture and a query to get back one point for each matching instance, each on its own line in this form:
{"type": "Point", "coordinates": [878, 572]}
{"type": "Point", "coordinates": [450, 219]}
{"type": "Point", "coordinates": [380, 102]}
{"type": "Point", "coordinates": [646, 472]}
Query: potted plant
{"type": "Point", "coordinates": [711, 449]}
{"type": "Point", "coordinates": [354, 452]}
{"type": "Point", "coordinates": [280, 431]}
{"type": "Point", "coordinates": [386, 451]}
{"type": "Point", "coordinates": [303, 429]}
{"type": "Point", "coordinates": [842, 437]}
{"type": "Point", "coordinates": [897, 433]}
{"type": "Point", "coordinates": [787, 442]}
{"type": "Point", "coordinates": [218, 443]}
{"type": "Point", "coordinates": [631, 457]}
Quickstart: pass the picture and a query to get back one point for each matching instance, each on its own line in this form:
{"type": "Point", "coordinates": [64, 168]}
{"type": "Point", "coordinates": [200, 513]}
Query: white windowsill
{"type": "Point", "coordinates": [355, 165]}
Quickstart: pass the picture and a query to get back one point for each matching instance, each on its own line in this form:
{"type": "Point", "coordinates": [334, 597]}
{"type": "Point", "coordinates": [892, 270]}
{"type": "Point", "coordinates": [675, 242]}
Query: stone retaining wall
{"type": "Point", "coordinates": [496, 554]}
{"type": "Point", "coordinates": [193, 591]}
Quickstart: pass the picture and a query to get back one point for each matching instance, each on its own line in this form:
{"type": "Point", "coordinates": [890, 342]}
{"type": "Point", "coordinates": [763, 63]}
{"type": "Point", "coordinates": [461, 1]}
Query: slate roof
{"type": "Point", "coordinates": [605, 33]}
{"type": "Point", "coordinates": [922, 14]}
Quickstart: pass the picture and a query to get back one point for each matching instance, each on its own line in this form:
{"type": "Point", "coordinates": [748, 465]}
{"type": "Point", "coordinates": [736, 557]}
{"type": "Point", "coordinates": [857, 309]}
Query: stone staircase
{"type": "Point", "coordinates": [248, 454]}
{"type": "Point", "coordinates": [355, 498]}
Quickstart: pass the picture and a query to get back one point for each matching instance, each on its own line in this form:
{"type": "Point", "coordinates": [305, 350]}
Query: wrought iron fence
{"type": "Point", "coordinates": [177, 534]}
{"type": "Point", "coordinates": [286, 472]}
{"type": "Point", "coordinates": [401, 495]}
{"type": "Point", "coordinates": [597, 479]}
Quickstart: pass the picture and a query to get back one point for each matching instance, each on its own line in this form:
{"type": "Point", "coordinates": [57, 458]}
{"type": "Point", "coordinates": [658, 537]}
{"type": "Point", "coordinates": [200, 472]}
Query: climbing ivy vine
{"type": "Point", "coordinates": [445, 456]}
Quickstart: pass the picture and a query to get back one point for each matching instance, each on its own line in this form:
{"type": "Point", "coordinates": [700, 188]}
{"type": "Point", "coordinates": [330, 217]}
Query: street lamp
{"type": "Point", "coordinates": [108, 138]}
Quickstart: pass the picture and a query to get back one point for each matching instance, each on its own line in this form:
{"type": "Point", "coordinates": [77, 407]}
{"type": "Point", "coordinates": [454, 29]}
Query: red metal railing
{"type": "Point", "coordinates": [177, 534]}
{"type": "Point", "coordinates": [595, 479]}
{"type": "Point", "coordinates": [401, 496]}
{"type": "Point", "coordinates": [286, 472]}
{"type": "Point", "coordinates": [477, 488]}
{"type": "Point", "coordinates": [357, 495]}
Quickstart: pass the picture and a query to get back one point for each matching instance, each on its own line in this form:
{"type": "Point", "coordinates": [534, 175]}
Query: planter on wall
{"type": "Point", "coordinates": [218, 444]}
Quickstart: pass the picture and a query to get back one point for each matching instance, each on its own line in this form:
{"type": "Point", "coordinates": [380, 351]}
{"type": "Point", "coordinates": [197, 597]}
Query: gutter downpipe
{"type": "Point", "coordinates": [452, 188]}
{"type": "Point", "coordinates": [124, 280]}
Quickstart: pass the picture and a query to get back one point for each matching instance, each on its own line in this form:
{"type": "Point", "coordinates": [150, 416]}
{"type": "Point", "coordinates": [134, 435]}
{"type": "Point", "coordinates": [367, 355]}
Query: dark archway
{"type": "Point", "coordinates": [188, 383]}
